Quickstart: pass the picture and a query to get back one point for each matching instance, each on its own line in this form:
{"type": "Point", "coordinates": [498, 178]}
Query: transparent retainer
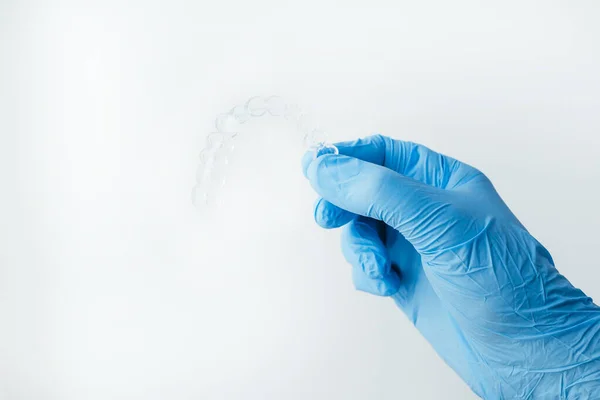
{"type": "Point", "coordinates": [214, 158]}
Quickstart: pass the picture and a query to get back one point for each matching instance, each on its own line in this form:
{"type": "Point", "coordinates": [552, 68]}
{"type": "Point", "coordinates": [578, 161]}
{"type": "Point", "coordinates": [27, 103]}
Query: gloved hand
{"type": "Point", "coordinates": [432, 233]}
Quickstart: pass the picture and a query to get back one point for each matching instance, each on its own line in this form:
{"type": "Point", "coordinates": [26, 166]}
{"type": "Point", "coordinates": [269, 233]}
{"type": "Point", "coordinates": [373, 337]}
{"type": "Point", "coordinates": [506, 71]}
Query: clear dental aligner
{"type": "Point", "coordinates": [219, 144]}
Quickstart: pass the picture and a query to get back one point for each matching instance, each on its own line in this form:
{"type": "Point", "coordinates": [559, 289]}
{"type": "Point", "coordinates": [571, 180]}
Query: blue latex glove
{"type": "Point", "coordinates": [432, 233]}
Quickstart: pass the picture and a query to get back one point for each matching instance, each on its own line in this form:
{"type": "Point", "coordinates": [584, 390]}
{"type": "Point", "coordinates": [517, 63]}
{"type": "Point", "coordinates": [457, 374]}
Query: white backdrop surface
{"type": "Point", "coordinates": [112, 287]}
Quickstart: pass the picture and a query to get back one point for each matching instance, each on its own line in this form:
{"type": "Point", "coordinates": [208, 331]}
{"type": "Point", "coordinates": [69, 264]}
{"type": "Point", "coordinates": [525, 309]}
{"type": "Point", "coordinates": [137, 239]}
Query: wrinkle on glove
{"type": "Point", "coordinates": [477, 285]}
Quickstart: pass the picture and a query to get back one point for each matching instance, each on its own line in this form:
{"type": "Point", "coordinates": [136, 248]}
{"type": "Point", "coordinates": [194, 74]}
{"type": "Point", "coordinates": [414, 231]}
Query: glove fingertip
{"type": "Point", "coordinates": [307, 159]}
{"type": "Point", "coordinates": [326, 172]}
{"type": "Point", "coordinates": [384, 287]}
{"type": "Point", "coordinates": [329, 216]}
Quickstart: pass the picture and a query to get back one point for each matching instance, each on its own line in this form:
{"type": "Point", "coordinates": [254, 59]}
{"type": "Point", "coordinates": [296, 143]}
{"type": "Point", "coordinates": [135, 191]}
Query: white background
{"type": "Point", "coordinates": [112, 287]}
